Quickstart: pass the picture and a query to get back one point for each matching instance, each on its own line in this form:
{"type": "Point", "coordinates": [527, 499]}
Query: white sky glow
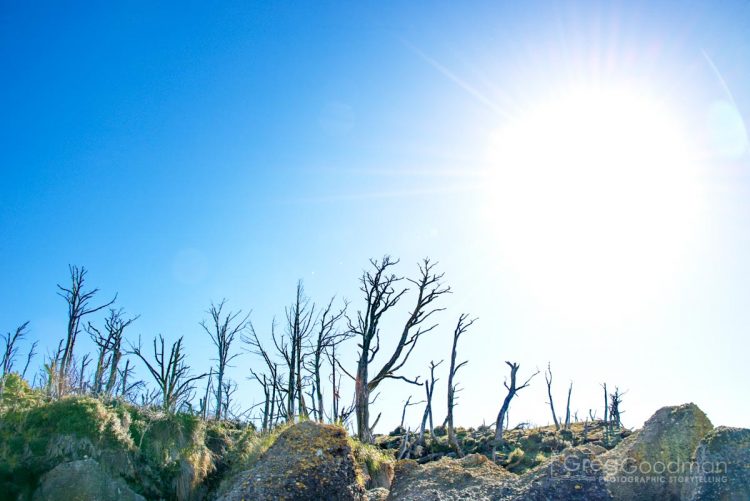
{"type": "Point", "coordinates": [596, 198]}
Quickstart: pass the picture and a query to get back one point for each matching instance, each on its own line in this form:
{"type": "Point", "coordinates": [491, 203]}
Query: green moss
{"type": "Point", "coordinates": [370, 457]}
{"type": "Point", "coordinates": [35, 435]}
{"type": "Point", "coordinates": [16, 394]}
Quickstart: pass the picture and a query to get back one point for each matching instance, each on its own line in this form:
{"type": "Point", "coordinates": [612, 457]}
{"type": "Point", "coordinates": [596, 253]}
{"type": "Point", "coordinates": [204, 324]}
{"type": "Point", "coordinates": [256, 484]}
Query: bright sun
{"type": "Point", "coordinates": [597, 200]}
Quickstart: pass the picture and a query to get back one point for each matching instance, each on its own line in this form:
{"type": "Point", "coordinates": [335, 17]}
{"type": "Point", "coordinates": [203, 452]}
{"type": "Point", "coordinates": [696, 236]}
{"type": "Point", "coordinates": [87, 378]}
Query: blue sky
{"type": "Point", "coordinates": [189, 153]}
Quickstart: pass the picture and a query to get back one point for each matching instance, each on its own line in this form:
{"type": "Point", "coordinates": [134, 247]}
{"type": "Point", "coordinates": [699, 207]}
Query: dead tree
{"type": "Point", "coordinates": [270, 381]}
{"type": "Point", "coordinates": [78, 301]}
{"type": "Point", "coordinates": [567, 408]}
{"type": "Point", "coordinates": [267, 387]}
{"type": "Point", "coordinates": [229, 388]}
{"type": "Point", "coordinates": [10, 348]}
{"type": "Point", "coordinates": [379, 287]}
{"type": "Point", "coordinates": [460, 329]}
{"type": "Point", "coordinates": [339, 414]}
{"type": "Point", "coordinates": [171, 373]}
{"type": "Point", "coordinates": [429, 387]}
{"type": "Point", "coordinates": [299, 319]}
{"type": "Point", "coordinates": [204, 405]}
{"type": "Point", "coordinates": [223, 329]}
{"type": "Point", "coordinates": [329, 335]}
{"type": "Point", "coordinates": [512, 388]}
{"type": "Point", "coordinates": [109, 350]}
{"type": "Point", "coordinates": [407, 404]}
{"type": "Point", "coordinates": [615, 399]}
{"type": "Point", "coordinates": [80, 381]}
{"type": "Point", "coordinates": [126, 387]}
{"type": "Point", "coordinates": [606, 403]}
{"type": "Point", "coordinates": [548, 379]}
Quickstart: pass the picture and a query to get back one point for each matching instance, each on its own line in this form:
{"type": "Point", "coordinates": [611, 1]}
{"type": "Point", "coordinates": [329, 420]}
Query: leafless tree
{"type": "Point", "coordinates": [269, 397]}
{"type": "Point", "coordinates": [382, 292]}
{"type": "Point", "coordinates": [567, 408]}
{"type": "Point", "coordinates": [339, 414]}
{"type": "Point", "coordinates": [328, 336]}
{"type": "Point", "coordinates": [299, 320]}
{"type": "Point", "coordinates": [204, 403]}
{"type": "Point", "coordinates": [461, 328]}
{"type": "Point", "coordinates": [109, 350]}
{"type": "Point", "coordinates": [403, 451]}
{"type": "Point", "coordinates": [78, 301]}
{"type": "Point", "coordinates": [223, 329]}
{"type": "Point", "coordinates": [548, 379]}
{"type": "Point", "coordinates": [127, 388]}
{"type": "Point", "coordinates": [615, 399]}
{"type": "Point", "coordinates": [408, 404]}
{"type": "Point", "coordinates": [271, 381]}
{"type": "Point", "coordinates": [606, 403]}
{"type": "Point", "coordinates": [29, 356]}
{"type": "Point", "coordinates": [429, 387]}
{"type": "Point", "coordinates": [512, 388]}
{"type": "Point", "coordinates": [171, 373]}
{"type": "Point", "coordinates": [10, 348]}
{"type": "Point", "coordinates": [229, 388]}
{"type": "Point", "coordinates": [80, 382]}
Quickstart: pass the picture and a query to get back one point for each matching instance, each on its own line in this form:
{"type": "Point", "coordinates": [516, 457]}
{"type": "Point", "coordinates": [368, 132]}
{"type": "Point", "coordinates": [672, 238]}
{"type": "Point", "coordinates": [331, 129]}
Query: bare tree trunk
{"type": "Point", "coordinates": [606, 403]}
{"type": "Point", "coordinates": [461, 327]}
{"type": "Point", "coordinates": [567, 407]}
{"type": "Point", "coordinates": [361, 403]}
{"type": "Point", "coordinates": [403, 412]}
{"type": "Point", "coordinates": [548, 379]}
{"type": "Point", "coordinates": [403, 452]}
{"type": "Point", "coordinates": [429, 387]}
{"type": "Point", "coordinates": [512, 390]}
{"type": "Point", "coordinates": [208, 392]}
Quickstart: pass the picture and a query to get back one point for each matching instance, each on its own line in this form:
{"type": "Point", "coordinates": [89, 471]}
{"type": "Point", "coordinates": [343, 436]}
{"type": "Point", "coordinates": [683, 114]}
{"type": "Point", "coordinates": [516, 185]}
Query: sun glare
{"type": "Point", "coordinates": [595, 200]}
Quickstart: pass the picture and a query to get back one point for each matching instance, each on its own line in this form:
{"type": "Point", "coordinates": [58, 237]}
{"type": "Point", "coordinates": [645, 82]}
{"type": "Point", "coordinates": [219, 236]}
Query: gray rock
{"type": "Point", "coordinates": [639, 468]}
{"type": "Point", "coordinates": [721, 471]}
{"type": "Point", "coordinates": [83, 480]}
{"type": "Point", "coordinates": [575, 474]}
{"type": "Point", "coordinates": [377, 494]}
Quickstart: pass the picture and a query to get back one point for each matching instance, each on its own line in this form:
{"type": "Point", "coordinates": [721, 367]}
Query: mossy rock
{"type": "Point", "coordinates": [307, 462]}
{"type": "Point", "coordinates": [83, 480]}
{"type": "Point", "coordinates": [471, 477]}
{"type": "Point", "coordinates": [376, 465]}
{"type": "Point", "coordinates": [35, 439]}
{"type": "Point", "coordinates": [636, 467]}
{"type": "Point", "coordinates": [575, 474]}
{"type": "Point", "coordinates": [722, 467]}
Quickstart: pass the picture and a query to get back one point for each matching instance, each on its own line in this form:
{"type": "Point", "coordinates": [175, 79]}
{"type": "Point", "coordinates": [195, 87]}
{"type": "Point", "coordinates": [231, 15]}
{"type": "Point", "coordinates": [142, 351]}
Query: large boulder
{"type": "Point", "coordinates": [308, 462]}
{"type": "Point", "coordinates": [721, 471]}
{"type": "Point", "coordinates": [575, 474]}
{"type": "Point", "coordinates": [644, 465]}
{"type": "Point", "coordinates": [83, 480]}
{"type": "Point", "coordinates": [473, 477]}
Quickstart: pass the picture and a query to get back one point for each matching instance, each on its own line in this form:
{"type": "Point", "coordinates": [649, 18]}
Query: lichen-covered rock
{"type": "Point", "coordinates": [576, 474]}
{"type": "Point", "coordinates": [721, 471]}
{"type": "Point", "coordinates": [308, 462]}
{"type": "Point", "coordinates": [473, 477]}
{"type": "Point", "coordinates": [644, 465]}
{"type": "Point", "coordinates": [377, 494]}
{"type": "Point", "coordinates": [83, 480]}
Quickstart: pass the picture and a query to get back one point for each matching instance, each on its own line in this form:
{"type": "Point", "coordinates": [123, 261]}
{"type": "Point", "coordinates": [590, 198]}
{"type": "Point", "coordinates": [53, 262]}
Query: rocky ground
{"type": "Point", "coordinates": [80, 448]}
